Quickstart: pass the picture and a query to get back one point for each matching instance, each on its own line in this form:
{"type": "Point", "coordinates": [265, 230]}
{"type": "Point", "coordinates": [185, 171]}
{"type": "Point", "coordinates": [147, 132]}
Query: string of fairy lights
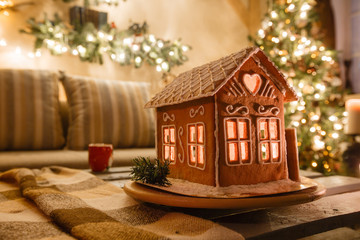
{"type": "Point", "coordinates": [310, 68]}
{"type": "Point", "coordinates": [132, 46]}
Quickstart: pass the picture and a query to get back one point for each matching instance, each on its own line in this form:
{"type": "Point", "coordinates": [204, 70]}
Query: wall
{"type": "Point", "coordinates": [213, 28]}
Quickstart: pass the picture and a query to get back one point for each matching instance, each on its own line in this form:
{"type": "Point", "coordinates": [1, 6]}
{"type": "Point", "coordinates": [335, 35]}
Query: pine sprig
{"type": "Point", "coordinates": [152, 172]}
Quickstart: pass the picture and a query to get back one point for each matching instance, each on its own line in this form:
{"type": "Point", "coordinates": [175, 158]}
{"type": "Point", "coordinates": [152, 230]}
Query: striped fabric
{"type": "Point", "coordinates": [104, 111]}
{"type": "Point", "coordinates": [62, 203]}
{"type": "Point", "coordinates": [29, 110]}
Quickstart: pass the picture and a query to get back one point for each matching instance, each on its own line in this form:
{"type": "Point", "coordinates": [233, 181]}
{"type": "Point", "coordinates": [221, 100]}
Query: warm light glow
{"type": "Point", "coordinates": [314, 164]}
{"type": "Point", "coordinates": [3, 43]}
{"type": "Point", "coordinates": [6, 4]}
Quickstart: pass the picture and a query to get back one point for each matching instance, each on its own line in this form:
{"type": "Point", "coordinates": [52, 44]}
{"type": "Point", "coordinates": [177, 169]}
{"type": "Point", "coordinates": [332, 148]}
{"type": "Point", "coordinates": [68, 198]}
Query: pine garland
{"type": "Point", "coordinates": [152, 172]}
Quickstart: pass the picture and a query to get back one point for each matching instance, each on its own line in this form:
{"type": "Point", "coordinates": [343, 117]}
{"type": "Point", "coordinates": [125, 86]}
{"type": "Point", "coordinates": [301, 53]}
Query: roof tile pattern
{"type": "Point", "coordinates": [202, 81]}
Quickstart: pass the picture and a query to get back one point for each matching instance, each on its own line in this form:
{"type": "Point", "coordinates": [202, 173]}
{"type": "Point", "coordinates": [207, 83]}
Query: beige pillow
{"type": "Point", "coordinates": [105, 111]}
{"type": "Point", "coordinates": [29, 110]}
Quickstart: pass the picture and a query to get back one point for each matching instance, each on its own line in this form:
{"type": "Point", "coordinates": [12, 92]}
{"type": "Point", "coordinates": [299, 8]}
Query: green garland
{"type": "Point", "coordinates": [132, 46]}
{"type": "Point", "coordinates": [152, 172]}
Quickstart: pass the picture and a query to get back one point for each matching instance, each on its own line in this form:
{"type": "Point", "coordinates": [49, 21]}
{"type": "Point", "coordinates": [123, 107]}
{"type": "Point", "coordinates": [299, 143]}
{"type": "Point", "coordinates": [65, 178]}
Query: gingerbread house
{"type": "Point", "coordinates": [222, 123]}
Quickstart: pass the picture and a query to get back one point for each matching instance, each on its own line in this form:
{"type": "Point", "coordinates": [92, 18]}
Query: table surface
{"type": "Point", "coordinates": [336, 215]}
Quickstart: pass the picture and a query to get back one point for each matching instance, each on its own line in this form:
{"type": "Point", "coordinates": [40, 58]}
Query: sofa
{"type": "Point", "coordinates": [38, 129]}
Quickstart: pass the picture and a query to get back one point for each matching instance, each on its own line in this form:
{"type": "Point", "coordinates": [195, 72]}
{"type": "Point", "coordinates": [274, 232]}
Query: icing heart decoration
{"type": "Point", "coordinates": [252, 82]}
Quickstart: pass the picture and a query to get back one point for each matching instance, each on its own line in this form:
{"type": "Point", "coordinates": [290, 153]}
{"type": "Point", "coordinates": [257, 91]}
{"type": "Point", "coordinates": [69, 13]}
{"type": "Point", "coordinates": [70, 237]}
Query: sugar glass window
{"type": "Point", "coordinates": [196, 145]}
{"type": "Point", "coordinates": [169, 149]}
{"type": "Point", "coordinates": [269, 140]}
{"type": "Point", "coordinates": [237, 136]}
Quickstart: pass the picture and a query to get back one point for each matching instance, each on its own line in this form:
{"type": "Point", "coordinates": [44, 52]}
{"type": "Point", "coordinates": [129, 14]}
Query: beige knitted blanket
{"type": "Point", "coordinates": [62, 203]}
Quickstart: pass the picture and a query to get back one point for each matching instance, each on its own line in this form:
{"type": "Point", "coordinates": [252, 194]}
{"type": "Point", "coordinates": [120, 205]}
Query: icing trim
{"type": "Point", "coordinates": [196, 144]}
{"type": "Point", "coordinates": [242, 110]}
{"type": "Point", "coordinates": [180, 134]}
{"type": "Point", "coordinates": [238, 140]}
{"type": "Point", "coordinates": [216, 135]}
{"type": "Point", "coordinates": [259, 141]}
{"type": "Point", "coordinates": [167, 117]}
{"type": "Point", "coordinates": [194, 112]}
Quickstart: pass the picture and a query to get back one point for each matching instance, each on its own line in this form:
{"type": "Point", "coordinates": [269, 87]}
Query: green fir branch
{"type": "Point", "coordinates": [152, 172]}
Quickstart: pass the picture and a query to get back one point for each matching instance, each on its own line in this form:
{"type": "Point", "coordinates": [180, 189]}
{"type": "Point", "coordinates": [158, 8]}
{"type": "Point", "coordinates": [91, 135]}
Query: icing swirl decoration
{"type": "Point", "coordinates": [167, 117]}
{"type": "Point", "coordinates": [266, 109]}
{"type": "Point", "coordinates": [200, 110]}
{"type": "Point", "coordinates": [180, 133]}
{"type": "Point", "coordinates": [243, 110]}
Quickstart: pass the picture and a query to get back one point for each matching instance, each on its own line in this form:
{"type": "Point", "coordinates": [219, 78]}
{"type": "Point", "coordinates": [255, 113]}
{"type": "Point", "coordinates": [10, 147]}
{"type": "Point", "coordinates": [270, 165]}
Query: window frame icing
{"type": "Point", "coordinates": [269, 140]}
{"type": "Point", "coordinates": [169, 144]}
{"type": "Point", "coordinates": [238, 141]}
{"type": "Point", "coordinates": [196, 144]}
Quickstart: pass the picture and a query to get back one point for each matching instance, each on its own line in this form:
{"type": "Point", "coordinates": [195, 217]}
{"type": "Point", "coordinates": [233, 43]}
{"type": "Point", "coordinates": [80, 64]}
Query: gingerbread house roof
{"type": "Point", "coordinates": [206, 80]}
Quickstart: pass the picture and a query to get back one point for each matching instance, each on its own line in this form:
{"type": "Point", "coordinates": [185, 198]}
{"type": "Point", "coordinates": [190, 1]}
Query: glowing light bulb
{"type": "Point", "coordinates": [146, 48]}
{"type": "Point", "coordinates": [292, 38]}
{"type": "Point", "coordinates": [81, 49]}
{"type": "Point", "coordinates": [335, 135]}
{"type": "Point", "coordinates": [90, 38]}
{"type": "Point", "coordinates": [165, 66]}
{"type": "Point", "coordinates": [314, 164]}
{"type": "Point", "coordinates": [312, 129]}
{"type": "Point", "coordinates": [283, 59]}
{"type": "Point", "coordinates": [296, 123]}
{"type": "Point", "coordinates": [305, 7]}
{"type": "Point", "coordinates": [284, 34]}
{"type": "Point", "coordinates": [274, 14]}
{"type": "Point", "coordinates": [303, 15]}
{"type": "Point", "coordinates": [171, 53]}
{"type": "Point", "coordinates": [185, 48]}
{"type": "Point", "coordinates": [152, 38]}
{"type": "Point", "coordinates": [261, 33]}
{"type": "Point", "coordinates": [158, 68]}
{"type": "Point", "coordinates": [3, 43]}
{"type": "Point", "coordinates": [101, 34]}
{"type": "Point", "coordinates": [138, 59]}
{"type": "Point", "coordinates": [317, 96]}
{"type": "Point", "coordinates": [291, 7]}
{"type": "Point", "coordinates": [135, 47]}
{"type": "Point", "coordinates": [315, 117]}
{"type": "Point", "coordinates": [275, 40]}
{"type": "Point", "coordinates": [127, 41]}
{"type": "Point", "coordinates": [333, 118]}
{"type": "Point", "coordinates": [160, 44]}
{"type": "Point", "coordinates": [338, 126]}
{"type": "Point", "coordinates": [74, 52]}
{"type": "Point", "coordinates": [313, 48]}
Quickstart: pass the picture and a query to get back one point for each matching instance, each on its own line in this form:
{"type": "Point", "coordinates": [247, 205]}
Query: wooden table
{"type": "Point", "coordinates": [335, 216]}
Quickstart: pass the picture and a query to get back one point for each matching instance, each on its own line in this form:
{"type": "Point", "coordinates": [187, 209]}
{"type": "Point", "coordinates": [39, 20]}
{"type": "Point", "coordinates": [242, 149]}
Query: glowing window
{"type": "Point", "coordinates": [169, 146]}
{"type": "Point", "coordinates": [269, 140]}
{"type": "Point", "coordinates": [237, 140]}
{"type": "Point", "coordinates": [196, 145]}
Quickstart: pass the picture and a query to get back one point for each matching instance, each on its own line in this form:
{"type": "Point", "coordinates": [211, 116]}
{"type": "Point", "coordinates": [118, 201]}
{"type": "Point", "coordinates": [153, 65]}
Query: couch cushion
{"type": "Point", "coordinates": [29, 110]}
{"type": "Point", "coordinates": [105, 111]}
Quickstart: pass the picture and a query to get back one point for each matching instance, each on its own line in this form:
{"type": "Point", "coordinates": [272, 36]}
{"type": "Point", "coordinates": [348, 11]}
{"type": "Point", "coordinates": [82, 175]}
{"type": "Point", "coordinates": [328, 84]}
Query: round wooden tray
{"type": "Point", "coordinates": [156, 196]}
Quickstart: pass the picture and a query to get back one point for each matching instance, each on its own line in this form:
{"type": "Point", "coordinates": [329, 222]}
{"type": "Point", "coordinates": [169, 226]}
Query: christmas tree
{"type": "Point", "coordinates": [290, 35]}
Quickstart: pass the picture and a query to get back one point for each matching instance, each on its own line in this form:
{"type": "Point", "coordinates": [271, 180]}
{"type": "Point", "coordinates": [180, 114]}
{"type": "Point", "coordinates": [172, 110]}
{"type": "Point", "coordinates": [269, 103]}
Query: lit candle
{"type": "Point", "coordinates": [352, 106]}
